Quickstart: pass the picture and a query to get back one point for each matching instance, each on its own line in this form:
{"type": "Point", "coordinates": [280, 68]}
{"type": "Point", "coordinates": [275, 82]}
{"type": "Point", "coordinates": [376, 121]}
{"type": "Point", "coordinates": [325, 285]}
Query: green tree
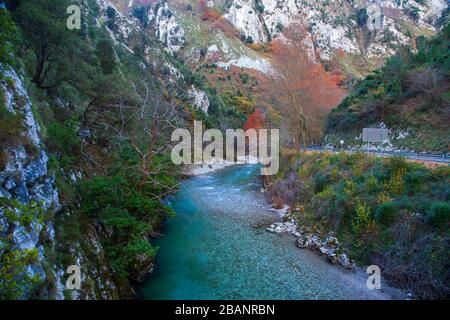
{"type": "Point", "coordinates": [15, 281]}
{"type": "Point", "coordinates": [105, 54]}
{"type": "Point", "coordinates": [46, 34]}
{"type": "Point", "coordinates": [8, 34]}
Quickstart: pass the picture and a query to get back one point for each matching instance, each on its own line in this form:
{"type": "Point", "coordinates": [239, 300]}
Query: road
{"type": "Point", "coordinates": [428, 157]}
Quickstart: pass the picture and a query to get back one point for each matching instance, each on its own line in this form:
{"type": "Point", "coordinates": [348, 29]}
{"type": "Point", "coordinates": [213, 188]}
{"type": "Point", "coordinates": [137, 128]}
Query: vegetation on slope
{"type": "Point", "coordinates": [106, 109]}
{"type": "Point", "coordinates": [410, 94]}
{"type": "Point", "coordinates": [386, 211]}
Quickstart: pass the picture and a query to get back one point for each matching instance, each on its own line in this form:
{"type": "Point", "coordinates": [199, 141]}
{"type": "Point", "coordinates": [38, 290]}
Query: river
{"type": "Point", "coordinates": [217, 248]}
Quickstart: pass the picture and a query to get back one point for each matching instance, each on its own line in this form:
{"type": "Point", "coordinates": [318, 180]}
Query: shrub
{"type": "Point", "coordinates": [439, 214]}
{"type": "Point", "coordinates": [320, 182]}
{"type": "Point", "coordinates": [396, 184]}
{"type": "Point", "coordinates": [361, 221]}
{"type": "Point", "coordinates": [379, 216]}
{"type": "Point", "coordinates": [64, 140]}
{"type": "Point", "coordinates": [15, 280]}
{"type": "Point", "coordinates": [386, 213]}
{"type": "Point", "coordinates": [8, 34]}
{"type": "Point", "coordinates": [106, 56]}
{"type": "Point", "coordinates": [11, 126]}
{"type": "Point", "coordinates": [128, 204]}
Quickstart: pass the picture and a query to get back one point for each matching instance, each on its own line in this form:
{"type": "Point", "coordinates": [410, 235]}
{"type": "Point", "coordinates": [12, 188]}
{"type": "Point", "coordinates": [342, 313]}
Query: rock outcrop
{"type": "Point", "coordinates": [166, 27]}
{"type": "Point", "coordinates": [327, 246]}
{"type": "Point", "coordinates": [25, 176]}
{"type": "Point", "coordinates": [340, 24]}
{"type": "Point", "coordinates": [199, 99]}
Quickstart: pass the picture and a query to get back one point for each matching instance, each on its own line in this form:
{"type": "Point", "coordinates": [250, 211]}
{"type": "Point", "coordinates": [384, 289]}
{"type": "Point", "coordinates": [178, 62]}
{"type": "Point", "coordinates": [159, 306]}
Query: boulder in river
{"type": "Point", "coordinates": [302, 242]}
{"type": "Point", "coordinates": [283, 227]}
{"type": "Point", "coordinates": [332, 258]}
{"type": "Point", "coordinates": [314, 242]}
{"type": "Point", "coordinates": [346, 262]}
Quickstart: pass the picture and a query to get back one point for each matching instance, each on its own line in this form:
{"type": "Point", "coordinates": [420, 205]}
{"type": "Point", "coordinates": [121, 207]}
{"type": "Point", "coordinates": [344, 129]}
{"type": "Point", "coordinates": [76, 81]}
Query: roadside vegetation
{"type": "Point", "coordinates": [410, 94]}
{"type": "Point", "coordinates": [385, 211]}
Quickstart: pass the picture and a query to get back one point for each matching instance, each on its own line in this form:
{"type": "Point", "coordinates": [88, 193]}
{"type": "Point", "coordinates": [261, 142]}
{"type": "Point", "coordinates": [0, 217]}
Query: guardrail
{"type": "Point", "coordinates": [431, 157]}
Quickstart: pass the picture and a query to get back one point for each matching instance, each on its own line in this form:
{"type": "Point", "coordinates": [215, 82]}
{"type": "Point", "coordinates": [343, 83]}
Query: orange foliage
{"type": "Point", "coordinates": [227, 28]}
{"type": "Point", "coordinates": [207, 14]}
{"type": "Point", "coordinates": [210, 14]}
{"type": "Point", "coordinates": [257, 46]}
{"type": "Point", "coordinates": [255, 120]}
{"type": "Point", "coordinates": [303, 89]}
{"type": "Point", "coordinates": [341, 53]}
{"type": "Point", "coordinates": [338, 78]}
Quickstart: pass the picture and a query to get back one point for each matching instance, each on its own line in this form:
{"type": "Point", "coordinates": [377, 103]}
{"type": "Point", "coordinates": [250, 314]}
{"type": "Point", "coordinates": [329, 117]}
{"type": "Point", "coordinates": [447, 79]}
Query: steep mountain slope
{"type": "Point", "coordinates": [80, 183]}
{"type": "Point", "coordinates": [366, 31]}
{"type": "Point", "coordinates": [76, 183]}
{"type": "Point", "coordinates": [409, 95]}
{"type": "Point", "coordinates": [230, 43]}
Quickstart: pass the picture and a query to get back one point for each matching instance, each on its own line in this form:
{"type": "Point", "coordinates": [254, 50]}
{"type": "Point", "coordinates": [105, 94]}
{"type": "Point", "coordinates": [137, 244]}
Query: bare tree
{"type": "Point", "coordinates": [427, 81]}
{"type": "Point", "coordinates": [143, 116]}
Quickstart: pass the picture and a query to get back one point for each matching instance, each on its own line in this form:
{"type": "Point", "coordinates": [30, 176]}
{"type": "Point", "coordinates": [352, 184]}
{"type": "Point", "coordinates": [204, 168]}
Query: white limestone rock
{"type": "Point", "coordinates": [332, 24]}
{"type": "Point", "coordinates": [199, 99]}
{"type": "Point", "coordinates": [166, 27]}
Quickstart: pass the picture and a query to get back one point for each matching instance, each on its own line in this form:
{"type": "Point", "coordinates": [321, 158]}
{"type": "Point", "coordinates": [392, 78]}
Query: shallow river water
{"type": "Point", "coordinates": [217, 248]}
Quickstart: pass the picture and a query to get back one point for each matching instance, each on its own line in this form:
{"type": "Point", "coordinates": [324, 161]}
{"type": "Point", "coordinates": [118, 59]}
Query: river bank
{"type": "Point", "coordinates": [217, 248]}
{"type": "Point", "coordinates": [386, 212]}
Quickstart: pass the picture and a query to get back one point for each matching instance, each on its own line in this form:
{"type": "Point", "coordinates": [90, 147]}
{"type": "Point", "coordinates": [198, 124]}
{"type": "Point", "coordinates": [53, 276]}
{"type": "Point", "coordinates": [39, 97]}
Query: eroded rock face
{"type": "Point", "coordinates": [120, 25]}
{"type": "Point", "coordinates": [25, 176]}
{"type": "Point", "coordinates": [199, 99]}
{"type": "Point", "coordinates": [333, 24]}
{"type": "Point", "coordinates": [166, 27]}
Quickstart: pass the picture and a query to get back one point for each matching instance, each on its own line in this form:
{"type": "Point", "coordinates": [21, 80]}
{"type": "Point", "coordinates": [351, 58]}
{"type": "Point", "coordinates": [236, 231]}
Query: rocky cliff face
{"type": "Point", "coordinates": [339, 24]}
{"type": "Point", "coordinates": [28, 177]}
{"type": "Point", "coordinates": [368, 29]}
{"type": "Point", "coordinates": [166, 27]}
{"type": "Point", "coordinates": [25, 177]}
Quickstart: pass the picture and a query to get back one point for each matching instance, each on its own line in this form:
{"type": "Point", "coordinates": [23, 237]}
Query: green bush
{"type": "Point", "coordinates": [386, 213]}
{"type": "Point", "coordinates": [15, 281]}
{"type": "Point", "coordinates": [11, 126]}
{"type": "Point", "coordinates": [125, 203]}
{"type": "Point", "coordinates": [8, 34]}
{"type": "Point", "coordinates": [439, 214]}
{"type": "Point", "coordinates": [375, 207]}
{"type": "Point", "coordinates": [64, 140]}
{"type": "Point", "coordinates": [320, 182]}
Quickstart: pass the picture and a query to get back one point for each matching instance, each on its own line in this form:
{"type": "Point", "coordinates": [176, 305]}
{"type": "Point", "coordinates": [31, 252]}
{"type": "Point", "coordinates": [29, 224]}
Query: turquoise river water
{"type": "Point", "coordinates": [217, 248]}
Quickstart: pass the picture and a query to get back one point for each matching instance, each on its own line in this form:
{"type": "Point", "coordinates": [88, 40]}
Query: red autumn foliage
{"type": "Point", "coordinates": [210, 15]}
{"type": "Point", "coordinates": [202, 6]}
{"type": "Point", "coordinates": [338, 78]}
{"type": "Point", "coordinates": [341, 53]}
{"type": "Point", "coordinates": [226, 27]}
{"type": "Point", "coordinates": [255, 120]}
{"type": "Point", "coordinates": [304, 91]}
{"type": "Point", "coordinates": [207, 14]}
